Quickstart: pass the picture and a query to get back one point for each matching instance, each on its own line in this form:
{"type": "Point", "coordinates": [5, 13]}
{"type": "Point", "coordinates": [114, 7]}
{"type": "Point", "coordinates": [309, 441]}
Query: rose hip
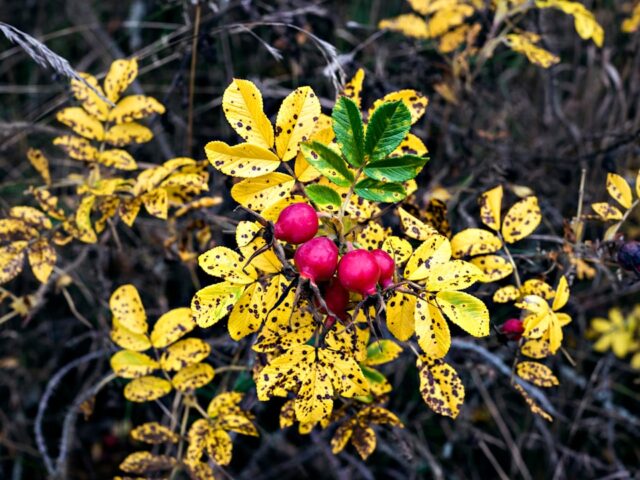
{"type": "Point", "coordinates": [296, 224]}
{"type": "Point", "coordinates": [512, 328]}
{"type": "Point", "coordinates": [336, 297]}
{"type": "Point", "coordinates": [359, 272]}
{"type": "Point", "coordinates": [317, 259]}
{"type": "Point", "coordinates": [387, 267]}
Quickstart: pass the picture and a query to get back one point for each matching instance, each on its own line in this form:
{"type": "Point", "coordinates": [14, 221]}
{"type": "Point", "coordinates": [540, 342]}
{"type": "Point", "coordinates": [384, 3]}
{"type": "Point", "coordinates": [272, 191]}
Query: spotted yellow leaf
{"type": "Point", "coordinates": [533, 406]}
{"type": "Point", "coordinates": [474, 241]}
{"type": "Point", "coordinates": [125, 338]}
{"type": "Point", "coordinates": [172, 326]}
{"type": "Point", "coordinates": [224, 263]}
{"type": "Point", "coordinates": [535, 286]}
{"type": "Point", "coordinates": [31, 216]}
{"type": "Point", "coordinates": [135, 107]}
{"type": "Point", "coordinates": [120, 75]}
{"type": "Point", "coordinates": [157, 203]}
{"type": "Point", "coordinates": [286, 326]}
{"type": "Point", "coordinates": [414, 227]}
{"type": "Point", "coordinates": [506, 294]}
{"type": "Point", "coordinates": [415, 101]}
{"type": "Point", "coordinates": [453, 275]}
{"type": "Point", "coordinates": [193, 377]}
{"type": "Point", "coordinates": [210, 304]}
{"type": "Point", "coordinates": [398, 248]}
{"type": "Point", "coordinates": [527, 44]}
{"type": "Point", "coordinates": [296, 121]}
{"type": "Point", "coordinates": [410, 145]}
{"type": "Point", "coordinates": [245, 160]}
{"type": "Point", "coordinates": [493, 267]}
{"type": "Point", "coordinates": [466, 311]}
{"type": "Point", "coordinates": [490, 206]}
{"type": "Point", "coordinates": [353, 88]}
{"type": "Point", "coordinates": [521, 220]}
{"type": "Point", "coordinates": [432, 331]}
{"type": "Point", "coordinates": [127, 308]}
{"type": "Point", "coordinates": [183, 353]}
{"type": "Point", "coordinates": [249, 240]}
{"type": "Point", "coordinates": [260, 192]}
{"type": "Point", "coordinates": [253, 307]}
{"type": "Point", "coordinates": [127, 133]}
{"type": "Point", "coordinates": [607, 211]}
{"type": "Point", "coordinates": [242, 105]}
{"type": "Point", "coordinates": [154, 434]}
{"type": "Point", "coordinates": [41, 164]}
{"type": "Point", "coordinates": [536, 348]}
{"type": "Point", "coordinates": [440, 386]}
{"type": "Point", "coordinates": [85, 231]}
{"type": "Point", "coordinates": [562, 294]}
{"type": "Point", "coordinates": [81, 122]}
{"type": "Point", "coordinates": [537, 373]}
{"type": "Point", "coordinates": [132, 364]}
{"type": "Point", "coordinates": [400, 315]}
{"type": "Point", "coordinates": [408, 24]}
{"type": "Point", "coordinates": [619, 190]}
{"type": "Point", "coordinates": [42, 258]}
{"type": "Point", "coordinates": [116, 158]}
{"type": "Point", "coordinates": [146, 389]}
{"type": "Point", "coordinates": [11, 260]}
{"type": "Point", "coordinates": [433, 251]}
{"type": "Point", "coordinates": [88, 98]}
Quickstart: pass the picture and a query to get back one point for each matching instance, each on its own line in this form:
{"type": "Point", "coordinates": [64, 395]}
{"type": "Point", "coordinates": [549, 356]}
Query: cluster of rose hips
{"type": "Point", "coordinates": [317, 259]}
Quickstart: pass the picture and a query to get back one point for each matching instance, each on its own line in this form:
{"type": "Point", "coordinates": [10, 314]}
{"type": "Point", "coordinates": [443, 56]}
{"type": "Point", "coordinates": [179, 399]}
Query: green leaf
{"type": "Point", "coordinates": [372, 375]}
{"type": "Point", "coordinates": [328, 162]}
{"type": "Point", "coordinates": [397, 169]}
{"type": "Point", "coordinates": [388, 125]}
{"type": "Point", "coordinates": [322, 195]}
{"type": "Point", "coordinates": [349, 130]}
{"type": "Point", "coordinates": [380, 192]}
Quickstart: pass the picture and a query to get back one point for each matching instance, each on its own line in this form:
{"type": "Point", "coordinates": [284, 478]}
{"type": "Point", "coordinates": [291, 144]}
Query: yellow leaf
{"type": "Point", "coordinates": [261, 192]}
{"type": "Point", "coordinates": [607, 211]}
{"type": "Point", "coordinates": [42, 258]}
{"type": "Point", "coordinates": [249, 240]}
{"type": "Point", "coordinates": [85, 231]}
{"type": "Point", "coordinates": [408, 24]}
{"type": "Point", "coordinates": [533, 406]}
{"type": "Point", "coordinates": [77, 148]}
{"type": "Point", "coordinates": [90, 101]}
{"type": "Point", "coordinates": [11, 260]}
{"type": "Point", "coordinates": [135, 107]}
{"type": "Point", "coordinates": [490, 206]}
{"type": "Point", "coordinates": [619, 189]}
{"type": "Point", "coordinates": [172, 326]}
{"type": "Point", "coordinates": [81, 122]}
{"type": "Point", "coordinates": [224, 263]}
{"type": "Point", "coordinates": [400, 315]}
{"type": "Point", "coordinates": [126, 307]}
{"type": "Point", "coordinates": [453, 275]}
{"type": "Point", "coordinates": [440, 386]}
{"type": "Point", "coordinates": [537, 373]}
{"type": "Point", "coordinates": [40, 163]}
{"type": "Point", "coordinates": [154, 434]}
{"type": "Point", "coordinates": [447, 17]}
{"type": "Point", "coordinates": [127, 133]}
{"type": "Point", "coordinates": [536, 348]}
{"type": "Point", "coordinates": [253, 307]}
{"type": "Point", "coordinates": [303, 170]}
{"type": "Point", "coordinates": [370, 237]}
{"type": "Point", "coordinates": [286, 326]}
{"type": "Point", "coordinates": [526, 44]}
{"type": "Point", "coordinates": [433, 251]}
{"type": "Point", "coordinates": [296, 121]}
{"type": "Point", "coordinates": [537, 287]}
{"type": "Point", "coordinates": [48, 203]}
{"type": "Point", "coordinates": [466, 311]}
{"type": "Point", "coordinates": [146, 462]}
{"type": "Point", "coordinates": [562, 294]}
{"type": "Point", "coordinates": [31, 216]}
{"type": "Point", "coordinates": [453, 39]}
{"type": "Point", "coordinates": [242, 105]}
{"type": "Point", "coordinates": [157, 203]}
{"type": "Point", "coordinates": [117, 158]}
{"type": "Point", "coordinates": [398, 248]}
{"type": "Point", "coordinates": [585, 22]}
{"type": "Point", "coordinates": [212, 303]}
{"type": "Point", "coordinates": [506, 294]}
{"type": "Point", "coordinates": [146, 389]}
{"type": "Point", "coordinates": [493, 267]}
{"type": "Point", "coordinates": [183, 353]}
{"type": "Point", "coordinates": [224, 403]}
{"type": "Point", "coordinates": [121, 74]}
{"type": "Point", "coordinates": [413, 227]}
{"type": "Point", "coordinates": [129, 209]}
{"type": "Point", "coordinates": [432, 331]}
{"type": "Point", "coordinates": [630, 25]}
{"type": "Point", "coordinates": [353, 88]}
{"type": "Point", "coordinates": [192, 377]}
{"type": "Point", "coordinates": [474, 241]}
{"type": "Point", "coordinates": [132, 364]}
{"type": "Point", "coordinates": [415, 101]}
{"type": "Point", "coordinates": [410, 145]}
{"type": "Point", "coordinates": [245, 160]}
{"type": "Point", "coordinates": [125, 338]}
{"type": "Point", "coordinates": [382, 351]}
{"type": "Point", "coordinates": [521, 220]}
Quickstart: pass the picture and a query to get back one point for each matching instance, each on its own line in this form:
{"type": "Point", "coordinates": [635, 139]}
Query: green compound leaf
{"type": "Point", "coordinates": [349, 130]}
{"type": "Point", "coordinates": [397, 169]}
{"type": "Point", "coordinates": [388, 125]}
{"type": "Point", "coordinates": [380, 192]}
{"type": "Point", "coordinates": [328, 162]}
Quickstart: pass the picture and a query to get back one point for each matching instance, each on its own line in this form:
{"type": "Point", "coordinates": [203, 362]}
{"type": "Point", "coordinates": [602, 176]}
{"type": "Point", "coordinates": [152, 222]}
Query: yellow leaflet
{"type": "Point", "coordinates": [521, 220]}
{"type": "Point", "coordinates": [398, 248]}
{"type": "Point", "coordinates": [493, 267]}
{"type": "Point", "coordinates": [238, 423]}
{"type": "Point", "coordinates": [490, 205]}
{"type": "Point", "coordinates": [432, 331]}
{"type": "Point", "coordinates": [145, 462]}
{"type": "Point", "coordinates": [400, 315]}
{"type": "Point", "coordinates": [525, 44]}
{"type": "Point", "coordinates": [619, 189]}
{"type": "Point", "coordinates": [225, 403]}
{"type": "Point", "coordinates": [466, 311]}
{"type": "Point", "coordinates": [242, 105]}
{"type": "Point", "coordinates": [121, 74]}
{"type": "Point", "coordinates": [192, 377]}
{"type": "Point", "coordinates": [212, 303]}
{"type": "Point", "coordinates": [304, 171]}
{"type": "Point", "coordinates": [533, 406]}
{"type": "Point", "coordinates": [125, 338]}
{"type": "Point", "coordinates": [408, 24]}
{"type": "Point", "coordinates": [260, 192]}
{"type": "Point", "coordinates": [536, 348]}
{"type": "Point", "coordinates": [433, 251]}
{"type": "Point", "coordinates": [40, 163]}
{"type": "Point", "coordinates": [183, 353]}
{"type": "Point", "coordinates": [632, 24]}
{"type": "Point", "coordinates": [296, 121]}
{"type": "Point", "coordinates": [42, 258]}
{"type": "Point", "coordinates": [129, 209]}
{"type": "Point", "coordinates": [253, 307]}
{"type": "Point", "coordinates": [249, 240]}
{"type": "Point", "coordinates": [127, 308]}
{"type": "Point", "coordinates": [562, 294]}
{"type": "Point", "coordinates": [131, 364]}
{"type": "Point", "coordinates": [440, 386]}
{"type": "Point", "coordinates": [413, 227]}
{"type": "Point", "coordinates": [371, 236]}
{"type": "Point", "coordinates": [585, 22]}
{"type": "Point", "coordinates": [446, 18]}
{"type": "Point", "coordinates": [225, 263]}
{"type": "Point", "coordinates": [453, 39]}
{"type": "Point", "coordinates": [245, 160]}
{"type": "Point", "coordinates": [146, 389]}
{"type": "Point", "coordinates": [13, 229]}
{"type": "Point", "coordinates": [415, 101]}
{"type": "Point", "coordinates": [607, 211]}
{"type": "Point", "coordinates": [135, 107]}
{"type": "Point", "coordinates": [157, 203]}
{"type": "Point", "coordinates": [127, 133]}
{"type": "Point", "coordinates": [353, 88]}
{"type": "Point", "coordinates": [453, 275]}
{"type": "Point", "coordinates": [537, 287]}
{"type": "Point", "coordinates": [506, 294]}
{"type": "Point", "coordinates": [81, 122]}
{"type": "Point", "coordinates": [172, 326]}
{"type": "Point", "coordinates": [410, 145]}
{"type": "Point", "coordinates": [90, 101]}
{"type": "Point", "coordinates": [537, 373]}
{"type": "Point", "coordinates": [474, 241]}
{"type": "Point", "coordinates": [48, 203]}
{"type": "Point", "coordinates": [117, 158]}
{"type": "Point", "coordinates": [85, 231]}
{"type": "Point", "coordinates": [11, 260]}
{"type": "Point", "coordinates": [154, 434]}
{"type": "Point", "coordinates": [31, 216]}
{"type": "Point", "coordinates": [286, 326]}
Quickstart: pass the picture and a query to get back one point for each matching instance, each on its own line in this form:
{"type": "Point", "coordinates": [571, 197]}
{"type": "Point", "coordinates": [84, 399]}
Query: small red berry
{"type": "Point", "coordinates": [359, 272]}
{"type": "Point", "coordinates": [387, 267]}
{"type": "Point", "coordinates": [512, 328]}
{"type": "Point", "coordinates": [317, 259]}
{"type": "Point", "coordinates": [296, 224]}
{"type": "Point", "coordinates": [337, 298]}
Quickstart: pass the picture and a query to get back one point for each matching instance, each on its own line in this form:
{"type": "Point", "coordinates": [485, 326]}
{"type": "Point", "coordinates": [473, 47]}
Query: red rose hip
{"type": "Point", "coordinates": [387, 267]}
{"type": "Point", "coordinates": [358, 271]}
{"type": "Point", "coordinates": [296, 224]}
{"type": "Point", "coordinates": [512, 328]}
{"type": "Point", "coordinates": [317, 259]}
{"type": "Point", "coordinates": [336, 298]}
